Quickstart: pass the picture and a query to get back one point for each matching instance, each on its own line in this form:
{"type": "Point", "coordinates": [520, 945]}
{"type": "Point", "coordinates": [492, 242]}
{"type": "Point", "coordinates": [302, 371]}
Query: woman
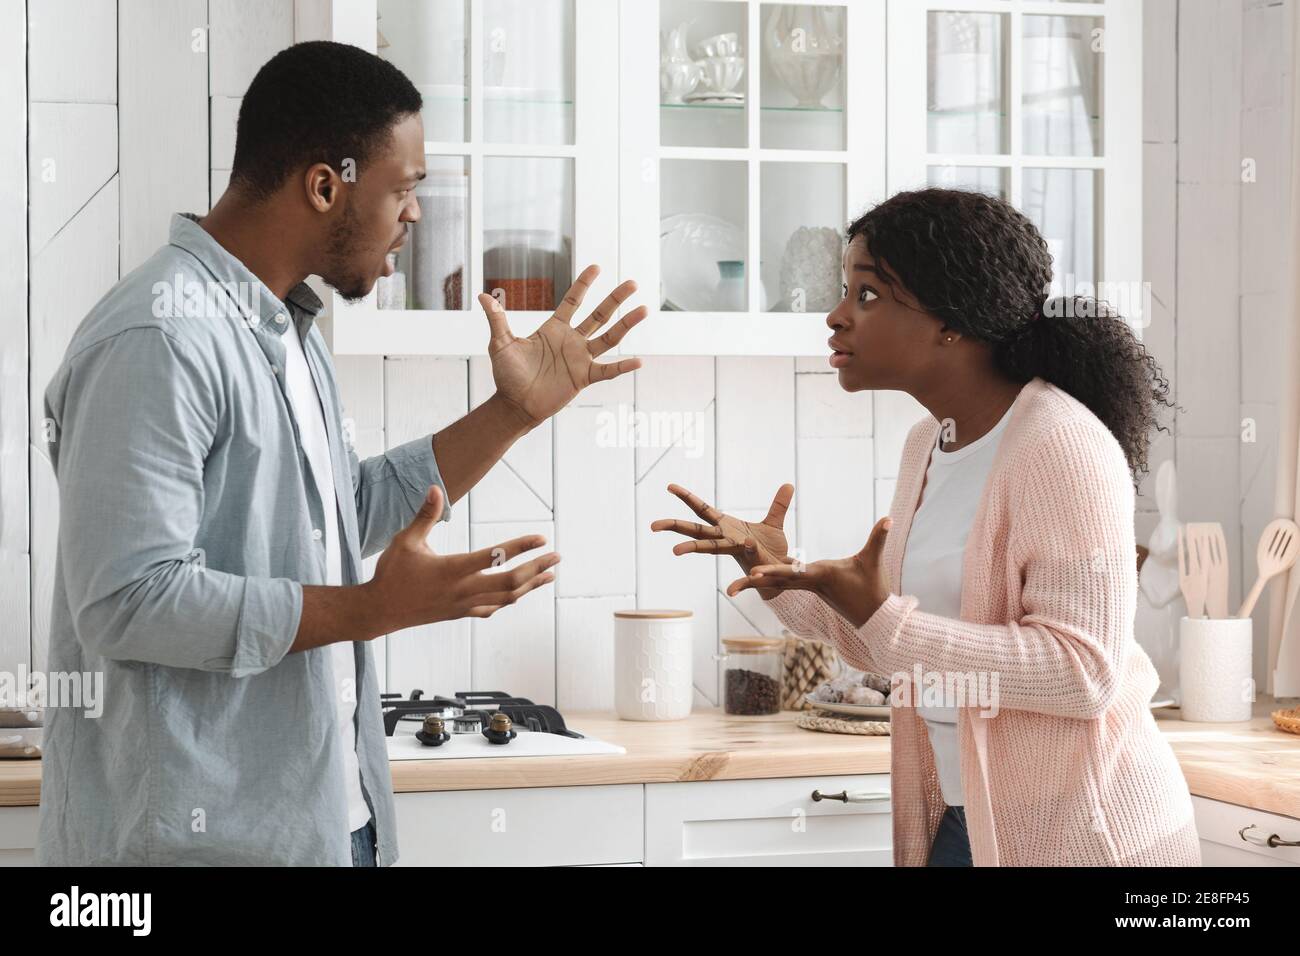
{"type": "Point", "coordinates": [1007, 565]}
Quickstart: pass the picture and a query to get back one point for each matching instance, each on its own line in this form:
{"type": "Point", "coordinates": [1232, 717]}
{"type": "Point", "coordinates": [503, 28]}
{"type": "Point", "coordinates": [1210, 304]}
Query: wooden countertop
{"type": "Point", "coordinates": [1252, 763]}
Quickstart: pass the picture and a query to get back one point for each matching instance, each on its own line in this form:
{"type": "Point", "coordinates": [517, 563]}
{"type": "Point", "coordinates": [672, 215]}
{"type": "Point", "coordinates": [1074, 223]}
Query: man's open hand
{"type": "Point", "coordinates": [541, 374]}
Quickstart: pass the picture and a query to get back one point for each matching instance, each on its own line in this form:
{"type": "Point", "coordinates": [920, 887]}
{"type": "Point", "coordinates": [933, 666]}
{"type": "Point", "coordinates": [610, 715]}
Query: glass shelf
{"type": "Point", "coordinates": [834, 110]}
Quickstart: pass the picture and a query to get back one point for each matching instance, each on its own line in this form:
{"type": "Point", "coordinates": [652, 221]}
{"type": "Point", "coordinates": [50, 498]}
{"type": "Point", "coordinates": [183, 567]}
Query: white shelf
{"type": "Point", "coordinates": [363, 330]}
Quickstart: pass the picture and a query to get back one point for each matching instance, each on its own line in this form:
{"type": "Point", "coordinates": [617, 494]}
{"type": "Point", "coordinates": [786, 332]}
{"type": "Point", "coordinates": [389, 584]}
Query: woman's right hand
{"type": "Point", "coordinates": [750, 543]}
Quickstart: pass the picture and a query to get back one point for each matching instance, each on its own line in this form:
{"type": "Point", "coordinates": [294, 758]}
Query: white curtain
{"type": "Point", "coordinates": [1283, 670]}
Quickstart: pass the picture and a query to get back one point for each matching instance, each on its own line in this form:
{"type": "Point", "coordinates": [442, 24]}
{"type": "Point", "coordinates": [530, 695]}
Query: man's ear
{"type": "Point", "coordinates": [322, 185]}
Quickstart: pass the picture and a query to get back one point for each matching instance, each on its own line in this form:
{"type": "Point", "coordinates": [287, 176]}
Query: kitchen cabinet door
{"type": "Point", "coordinates": [539, 826]}
{"type": "Point", "coordinates": [520, 116]}
{"type": "Point", "coordinates": [18, 835]}
{"type": "Point", "coordinates": [1239, 836]}
{"type": "Point", "coordinates": [773, 822]}
{"type": "Point", "coordinates": [1033, 101]}
{"type": "Point", "coordinates": [750, 134]}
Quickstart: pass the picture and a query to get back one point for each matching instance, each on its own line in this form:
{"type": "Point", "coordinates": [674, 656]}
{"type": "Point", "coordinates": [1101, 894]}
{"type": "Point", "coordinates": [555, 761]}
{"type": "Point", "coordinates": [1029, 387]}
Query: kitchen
{"type": "Point", "coordinates": [627, 746]}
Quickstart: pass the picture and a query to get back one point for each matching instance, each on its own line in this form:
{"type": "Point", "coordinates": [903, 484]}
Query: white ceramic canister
{"type": "Point", "coordinates": [1214, 668]}
{"type": "Point", "coordinates": [652, 664]}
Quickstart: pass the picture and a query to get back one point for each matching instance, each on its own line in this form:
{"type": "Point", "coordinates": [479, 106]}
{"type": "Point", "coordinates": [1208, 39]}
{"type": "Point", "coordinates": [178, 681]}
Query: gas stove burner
{"type": "Point", "coordinates": [473, 712]}
{"type": "Point", "coordinates": [469, 722]}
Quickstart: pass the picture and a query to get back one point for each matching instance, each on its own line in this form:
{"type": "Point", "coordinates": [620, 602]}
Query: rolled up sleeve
{"type": "Point", "coordinates": [390, 488]}
{"type": "Point", "coordinates": [139, 418]}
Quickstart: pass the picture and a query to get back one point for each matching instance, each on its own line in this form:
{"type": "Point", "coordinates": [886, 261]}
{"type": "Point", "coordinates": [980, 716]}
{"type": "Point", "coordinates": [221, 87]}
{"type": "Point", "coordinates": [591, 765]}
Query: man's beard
{"type": "Point", "coordinates": [339, 256]}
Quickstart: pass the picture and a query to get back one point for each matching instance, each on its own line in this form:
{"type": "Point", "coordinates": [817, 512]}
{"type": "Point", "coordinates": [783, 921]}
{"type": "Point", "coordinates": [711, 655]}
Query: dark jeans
{"type": "Point", "coordinates": [951, 845]}
{"type": "Point", "coordinates": [363, 846]}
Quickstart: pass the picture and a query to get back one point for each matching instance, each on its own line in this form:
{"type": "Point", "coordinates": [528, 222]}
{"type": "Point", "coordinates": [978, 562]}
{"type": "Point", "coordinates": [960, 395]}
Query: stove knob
{"type": "Point", "coordinates": [434, 733]}
{"type": "Point", "coordinates": [499, 730]}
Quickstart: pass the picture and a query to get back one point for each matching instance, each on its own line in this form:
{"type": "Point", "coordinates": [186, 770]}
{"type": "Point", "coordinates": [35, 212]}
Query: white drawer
{"type": "Point", "coordinates": [18, 835]}
{"type": "Point", "coordinates": [542, 826]}
{"type": "Point", "coordinates": [770, 822]}
{"type": "Point", "coordinates": [1219, 826]}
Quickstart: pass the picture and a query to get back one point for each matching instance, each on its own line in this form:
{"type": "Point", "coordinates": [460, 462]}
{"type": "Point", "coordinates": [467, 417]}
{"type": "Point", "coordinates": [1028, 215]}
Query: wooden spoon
{"type": "Point", "coordinates": [1279, 546]}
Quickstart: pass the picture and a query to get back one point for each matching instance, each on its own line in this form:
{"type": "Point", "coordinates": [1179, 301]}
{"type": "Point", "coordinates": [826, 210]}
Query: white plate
{"type": "Point", "coordinates": [1162, 702]}
{"type": "Point", "coordinates": [708, 96]}
{"type": "Point", "coordinates": [691, 245]}
{"type": "Point", "coordinates": [878, 712]}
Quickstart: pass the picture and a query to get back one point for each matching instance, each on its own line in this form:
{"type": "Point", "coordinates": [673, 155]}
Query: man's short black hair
{"type": "Point", "coordinates": [316, 102]}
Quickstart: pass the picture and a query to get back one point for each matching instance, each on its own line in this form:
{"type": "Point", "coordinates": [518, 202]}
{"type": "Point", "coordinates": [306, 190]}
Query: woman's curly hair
{"type": "Point", "coordinates": [980, 266]}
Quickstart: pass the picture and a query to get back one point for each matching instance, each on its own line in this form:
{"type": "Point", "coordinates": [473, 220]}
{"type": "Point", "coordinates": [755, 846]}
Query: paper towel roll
{"type": "Point", "coordinates": [1215, 668]}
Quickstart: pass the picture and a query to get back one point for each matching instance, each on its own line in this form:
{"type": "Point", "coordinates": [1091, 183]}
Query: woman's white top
{"type": "Point", "coordinates": [932, 568]}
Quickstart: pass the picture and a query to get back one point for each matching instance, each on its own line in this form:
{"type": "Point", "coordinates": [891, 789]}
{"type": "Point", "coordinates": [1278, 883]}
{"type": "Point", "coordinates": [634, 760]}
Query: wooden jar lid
{"type": "Point", "coordinates": [648, 613]}
{"type": "Point", "coordinates": [753, 645]}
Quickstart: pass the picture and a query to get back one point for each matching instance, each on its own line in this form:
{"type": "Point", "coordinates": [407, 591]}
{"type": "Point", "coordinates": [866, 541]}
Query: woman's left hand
{"type": "Point", "coordinates": [855, 587]}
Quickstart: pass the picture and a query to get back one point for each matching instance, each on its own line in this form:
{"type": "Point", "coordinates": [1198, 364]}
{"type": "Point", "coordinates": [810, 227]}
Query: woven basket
{"type": "Point", "coordinates": [808, 664]}
{"type": "Point", "coordinates": [1288, 720]}
{"type": "Point", "coordinates": [840, 725]}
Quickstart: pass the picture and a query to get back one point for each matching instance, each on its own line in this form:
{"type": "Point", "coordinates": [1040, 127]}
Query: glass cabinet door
{"type": "Point", "coordinates": [512, 117]}
{"type": "Point", "coordinates": [1032, 101]}
{"type": "Point", "coordinates": [767, 137]}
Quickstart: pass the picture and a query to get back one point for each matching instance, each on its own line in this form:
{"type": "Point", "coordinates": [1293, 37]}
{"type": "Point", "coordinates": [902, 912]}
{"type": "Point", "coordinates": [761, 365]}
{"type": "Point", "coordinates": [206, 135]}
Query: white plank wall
{"type": "Point", "coordinates": [163, 81]}
{"type": "Point", "coordinates": [73, 256]}
{"type": "Point", "coordinates": [15, 561]}
{"type": "Point", "coordinates": [1216, 191]}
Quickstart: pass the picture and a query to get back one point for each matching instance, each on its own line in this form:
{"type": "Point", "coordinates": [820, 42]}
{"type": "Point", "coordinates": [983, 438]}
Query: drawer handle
{"type": "Point", "coordinates": [854, 796]}
{"type": "Point", "coordinates": [1272, 840]}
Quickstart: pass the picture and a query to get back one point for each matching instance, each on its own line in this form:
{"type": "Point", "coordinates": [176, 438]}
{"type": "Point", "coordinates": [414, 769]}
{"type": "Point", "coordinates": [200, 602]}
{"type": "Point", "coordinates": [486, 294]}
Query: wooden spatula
{"type": "Point", "coordinates": [1278, 548]}
{"type": "Point", "coordinates": [1191, 574]}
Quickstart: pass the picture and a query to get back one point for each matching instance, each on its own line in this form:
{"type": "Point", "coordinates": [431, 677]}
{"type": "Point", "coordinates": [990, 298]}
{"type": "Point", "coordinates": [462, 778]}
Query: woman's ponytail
{"type": "Point", "coordinates": [1085, 348]}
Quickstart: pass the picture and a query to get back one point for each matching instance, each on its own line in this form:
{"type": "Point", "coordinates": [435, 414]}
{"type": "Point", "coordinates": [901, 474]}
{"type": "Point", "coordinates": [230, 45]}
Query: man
{"type": "Point", "coordinates": [213, 520]}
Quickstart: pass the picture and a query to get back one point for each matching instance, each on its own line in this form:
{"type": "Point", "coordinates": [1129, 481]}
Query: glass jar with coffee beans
{"type": "Point", "coordinates": [754, 668]}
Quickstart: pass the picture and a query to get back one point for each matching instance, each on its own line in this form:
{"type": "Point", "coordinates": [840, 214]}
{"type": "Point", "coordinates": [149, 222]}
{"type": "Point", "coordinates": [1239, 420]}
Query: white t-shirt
{"type": "Point", "coordinates": [932, 569]}
{"type": "Point", "coordinates": [315, 442]}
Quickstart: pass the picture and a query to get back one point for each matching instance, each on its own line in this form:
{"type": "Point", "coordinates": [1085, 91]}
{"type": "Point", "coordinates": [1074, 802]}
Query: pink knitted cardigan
{"type": "Point", "coordinates": [1070, 769]}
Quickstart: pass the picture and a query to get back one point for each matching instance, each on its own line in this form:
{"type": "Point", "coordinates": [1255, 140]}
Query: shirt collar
{"type": "Point", "coordinates": [258, 304]}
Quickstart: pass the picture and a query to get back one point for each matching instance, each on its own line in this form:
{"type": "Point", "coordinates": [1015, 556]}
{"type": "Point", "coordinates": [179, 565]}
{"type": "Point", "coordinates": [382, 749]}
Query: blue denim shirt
{"type": "Point", "coordinates": [189, 522]}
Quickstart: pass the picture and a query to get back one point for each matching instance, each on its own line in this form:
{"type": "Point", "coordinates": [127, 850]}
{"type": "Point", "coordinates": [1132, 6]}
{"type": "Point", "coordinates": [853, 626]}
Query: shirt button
{"type": "Point", "coordinates": [315, 533]}
{"type": "Point", "coordinates": [280, 319]}
{"type": "Point", "coordinates": [275, 370]}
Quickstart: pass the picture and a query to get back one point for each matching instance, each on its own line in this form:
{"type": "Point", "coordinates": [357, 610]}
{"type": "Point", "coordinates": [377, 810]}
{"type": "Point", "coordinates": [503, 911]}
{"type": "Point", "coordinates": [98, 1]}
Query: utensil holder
{"type": "Point", "coordinates": [1214, 668]}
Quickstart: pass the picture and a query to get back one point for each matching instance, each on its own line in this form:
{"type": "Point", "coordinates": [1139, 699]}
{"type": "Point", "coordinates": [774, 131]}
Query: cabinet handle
{"type": "Point", "coordinates": [1272, 840]}
{"type": "Point", "coordinates": [854, 796]}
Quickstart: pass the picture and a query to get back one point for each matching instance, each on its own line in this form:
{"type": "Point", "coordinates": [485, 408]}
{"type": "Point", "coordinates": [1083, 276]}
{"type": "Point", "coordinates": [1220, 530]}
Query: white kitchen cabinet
{"type": "Point", "coordinates": [1033, 100]}
{"type": "Point", "coordinates": [538, 826]}
{"type": "Point", "coordinates": [521, 128]}
{"type": "Point", "coordinates": [770, 822]}
{"type": "Point", "coordinates": [764, 181]}
{"type": "Point", "coordinates": [556, 137]}
{"type": "Point", "coordinates": [1238, 836]}
{"type": "Point", "coordinates": [549, 147]}
{"type": "Point", "coordinates": [18, 835]}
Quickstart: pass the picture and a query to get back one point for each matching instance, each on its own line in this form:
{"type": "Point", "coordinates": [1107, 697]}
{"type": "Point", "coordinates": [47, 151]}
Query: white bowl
{"type": "Point", "coordinates": [722, 44]}
{"type": "Point", "coordinates": [676, 79]}
{"type": "Point", "coordinates": [721, 74]}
